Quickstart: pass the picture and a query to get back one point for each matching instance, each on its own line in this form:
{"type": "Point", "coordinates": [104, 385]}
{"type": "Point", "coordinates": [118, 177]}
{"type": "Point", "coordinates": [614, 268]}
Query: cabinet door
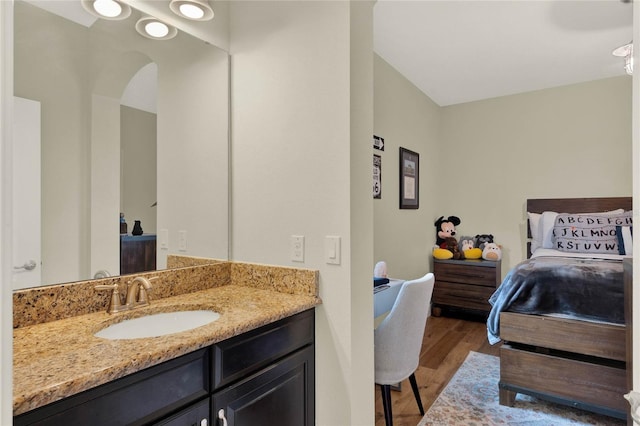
{"type": "Point", "coordinates": [281, 394]}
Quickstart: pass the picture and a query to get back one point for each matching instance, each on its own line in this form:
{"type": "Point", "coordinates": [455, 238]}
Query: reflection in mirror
{"type": "Point", "coordinates": [74, 76]}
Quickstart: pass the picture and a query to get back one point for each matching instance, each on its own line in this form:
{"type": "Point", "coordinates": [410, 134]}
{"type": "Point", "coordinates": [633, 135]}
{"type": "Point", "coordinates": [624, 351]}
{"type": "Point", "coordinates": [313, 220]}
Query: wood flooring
{"type": "Point", "coordinates": [447, 342]}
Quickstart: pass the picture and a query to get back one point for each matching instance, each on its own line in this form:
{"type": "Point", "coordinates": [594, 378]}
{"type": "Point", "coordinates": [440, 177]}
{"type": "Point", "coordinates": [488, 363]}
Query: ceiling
{"type": "Point", "coordinates": [459, 51]}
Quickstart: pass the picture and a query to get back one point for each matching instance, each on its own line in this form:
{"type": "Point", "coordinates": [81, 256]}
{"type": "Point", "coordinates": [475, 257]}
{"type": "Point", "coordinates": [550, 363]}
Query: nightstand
{"type": "Point", "coordinates": [464, 284]}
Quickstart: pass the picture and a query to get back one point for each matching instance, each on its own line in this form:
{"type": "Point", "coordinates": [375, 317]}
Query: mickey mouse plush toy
{"type": "Point", "coordinates": [445, 240]}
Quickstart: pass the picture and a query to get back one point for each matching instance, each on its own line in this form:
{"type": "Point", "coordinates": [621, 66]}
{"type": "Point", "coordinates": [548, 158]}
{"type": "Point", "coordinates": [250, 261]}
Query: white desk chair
{"type": "Point", "coordinates": [398, 340]}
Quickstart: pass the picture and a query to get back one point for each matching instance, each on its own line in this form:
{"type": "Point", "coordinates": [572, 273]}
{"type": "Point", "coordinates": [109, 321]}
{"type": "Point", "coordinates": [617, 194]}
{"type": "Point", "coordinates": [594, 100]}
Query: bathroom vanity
{"type": "Point", "coordinates": [265, 375]}
{"type": "Point", "coordinates": [254, 364]}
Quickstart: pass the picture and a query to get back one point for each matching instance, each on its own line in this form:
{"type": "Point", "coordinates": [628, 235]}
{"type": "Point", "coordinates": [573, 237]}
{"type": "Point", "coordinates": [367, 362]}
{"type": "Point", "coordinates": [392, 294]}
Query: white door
{"type": "Point", "coordinates": [27, 268]}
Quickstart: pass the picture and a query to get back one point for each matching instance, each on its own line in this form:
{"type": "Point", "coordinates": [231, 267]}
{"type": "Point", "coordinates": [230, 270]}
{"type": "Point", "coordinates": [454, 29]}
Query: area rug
{"type": "Point", "coordinates": [471, 399]}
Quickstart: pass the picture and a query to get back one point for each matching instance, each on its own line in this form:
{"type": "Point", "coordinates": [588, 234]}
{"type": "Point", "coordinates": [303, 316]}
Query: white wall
{"type": "Point", "coordinates": [405, 117]}
{"type": "Point", "coordinates": [193, 150]}
{"type": "Point", "coordinates": [138, 168]}
{"type": "Point", "coordinates": [301, 165]}
{"type": "Point", "coordinates": [361, 216]}
{"type": "Point", "coordinates": [481, 160]}
{"type": "Point", "coordinates": [636, 201]}
{"type": "Point", "coordinates": [571, 141]}
{"type": "Point", "coordinates": [6, 301]}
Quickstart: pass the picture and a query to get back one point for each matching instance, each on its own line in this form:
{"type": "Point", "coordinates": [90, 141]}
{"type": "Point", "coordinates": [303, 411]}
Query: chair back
{"type": "Point", "coordinates": [398, 339]}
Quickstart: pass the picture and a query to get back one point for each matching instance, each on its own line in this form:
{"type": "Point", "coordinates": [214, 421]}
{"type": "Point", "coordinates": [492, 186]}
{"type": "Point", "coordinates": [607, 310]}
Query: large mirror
{"type": "Point", "coordinates": [94, 151]}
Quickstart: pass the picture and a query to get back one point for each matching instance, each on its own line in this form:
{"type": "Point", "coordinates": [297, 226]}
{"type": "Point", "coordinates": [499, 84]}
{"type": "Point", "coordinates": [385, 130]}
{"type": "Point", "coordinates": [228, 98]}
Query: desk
{"type": "Point", "coordinates": [383, 300]}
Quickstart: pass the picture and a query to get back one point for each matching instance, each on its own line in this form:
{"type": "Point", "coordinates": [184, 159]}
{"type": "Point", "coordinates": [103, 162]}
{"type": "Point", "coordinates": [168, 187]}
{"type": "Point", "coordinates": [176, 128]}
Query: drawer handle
{"type": "Point", "coordinates": [222, 417]}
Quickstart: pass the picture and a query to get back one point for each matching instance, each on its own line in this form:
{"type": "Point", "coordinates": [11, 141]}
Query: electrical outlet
{"type": "Point", "coordinates": [297, 248]}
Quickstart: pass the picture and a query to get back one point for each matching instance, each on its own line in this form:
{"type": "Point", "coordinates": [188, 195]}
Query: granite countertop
{"type": "Point", "coordinates": [57, 359]}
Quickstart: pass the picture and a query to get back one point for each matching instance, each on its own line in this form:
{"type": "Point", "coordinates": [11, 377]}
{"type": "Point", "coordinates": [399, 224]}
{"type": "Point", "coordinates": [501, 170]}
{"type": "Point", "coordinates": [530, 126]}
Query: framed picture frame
{"type": "Point", "coordinates": [409, 179]}
{"type": "Point", "coordinates": [377, 177]}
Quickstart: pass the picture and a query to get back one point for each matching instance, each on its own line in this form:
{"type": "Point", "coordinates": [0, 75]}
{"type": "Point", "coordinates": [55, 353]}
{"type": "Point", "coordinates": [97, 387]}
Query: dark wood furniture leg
{"type": "Point", "coordinates": [416, 392]}
{"type": "Point", "coordinates": [507, 397]}
{"type": "Point", "coordinates": [386, 402]}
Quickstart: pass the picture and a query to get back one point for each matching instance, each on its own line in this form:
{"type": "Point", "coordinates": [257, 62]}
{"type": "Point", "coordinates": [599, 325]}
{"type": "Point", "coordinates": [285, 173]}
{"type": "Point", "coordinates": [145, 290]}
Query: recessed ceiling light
{"type": "Point", "coordinates": [196, 10]}
{"type": "Point", "coordinates": [155, 29]}
{"type": "Point", "coordinates": [107, 9]}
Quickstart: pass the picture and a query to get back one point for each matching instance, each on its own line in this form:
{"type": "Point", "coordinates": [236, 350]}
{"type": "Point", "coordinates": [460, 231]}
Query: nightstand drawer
{"type": "Point", "coordinates": [464, 284]}
{"type": "Point", "coordinates": [468, 274]}
{"type": "Point", "coordinates": [462, 295]}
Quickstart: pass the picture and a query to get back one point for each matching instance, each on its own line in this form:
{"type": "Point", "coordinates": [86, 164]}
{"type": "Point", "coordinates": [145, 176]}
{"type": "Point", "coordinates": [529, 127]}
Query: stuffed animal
{"type": "Point", "coordinates": [467, 248]}
{"type": "Point", "coordinates": [442, 254]}
{"type": "Point", "coordinates": [492, 251]}
{"type": "Point", "coordinates": [481, 239]}
{"type": "Point", "coordinates": [451, 244]}
{"type": "Point", "coordinates": [465, 243]}
{"type": "Point", "coordinates": [380, 270]}
{"type": "Point", "coordinates": [446, 244]}
{"type": "Point", "coordinates": [445, 228]}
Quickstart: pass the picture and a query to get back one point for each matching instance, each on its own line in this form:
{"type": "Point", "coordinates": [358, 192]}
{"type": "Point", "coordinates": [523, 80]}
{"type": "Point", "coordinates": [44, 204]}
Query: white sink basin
{"type": "Point", "coordinates": [158, 325]}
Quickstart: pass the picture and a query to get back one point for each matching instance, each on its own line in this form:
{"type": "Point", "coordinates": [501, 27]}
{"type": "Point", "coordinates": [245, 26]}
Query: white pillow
{"type": "Point", "coordinates": [548, 221]}
{"type": "Point", "coordinates": [589, 233]}
{"type": "Point", "coordinates": [534, 225]}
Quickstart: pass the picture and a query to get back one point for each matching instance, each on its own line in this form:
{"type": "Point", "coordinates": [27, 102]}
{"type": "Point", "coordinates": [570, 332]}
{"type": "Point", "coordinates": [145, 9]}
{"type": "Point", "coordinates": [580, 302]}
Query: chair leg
{"type": "Point", "coordinates": [416, 392]}
{"type": "Point", "coordinates": [386, 403]}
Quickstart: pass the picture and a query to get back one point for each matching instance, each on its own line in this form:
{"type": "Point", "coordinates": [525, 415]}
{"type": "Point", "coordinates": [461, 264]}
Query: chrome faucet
{"type": "Point", "coordinates": [136, 294]}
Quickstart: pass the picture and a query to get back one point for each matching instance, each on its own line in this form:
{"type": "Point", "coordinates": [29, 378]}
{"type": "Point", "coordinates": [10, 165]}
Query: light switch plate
{"type": "Point", "coordinates": [332, 250]}
{"type": "Point", "coordinates": [297, 248]}
{"type": "Point", "coordinates": [163, 239]}
{"type": "Point", "coordinates": [182, 240]}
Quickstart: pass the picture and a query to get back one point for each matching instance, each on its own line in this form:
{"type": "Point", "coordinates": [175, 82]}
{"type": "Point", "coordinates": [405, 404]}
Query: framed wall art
{"type": "Point", "coordinates": [409, 178]}
{"type": "Point", "coordinates": [377, 177]}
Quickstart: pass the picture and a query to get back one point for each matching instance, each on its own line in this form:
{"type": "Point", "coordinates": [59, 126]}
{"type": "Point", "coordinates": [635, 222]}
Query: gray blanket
{"type": "Point", "coordinates": [578, 288]}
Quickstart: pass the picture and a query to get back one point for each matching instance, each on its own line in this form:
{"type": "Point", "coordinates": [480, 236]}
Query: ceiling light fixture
{"type": "Point", "coordinates": [155, 29]}
{"type": "Point", "coordinates": [626, 52]}
{"type": "Point", "coordinates": [196, 10]}
{"type": "Point", "coordinates": [113, 10]}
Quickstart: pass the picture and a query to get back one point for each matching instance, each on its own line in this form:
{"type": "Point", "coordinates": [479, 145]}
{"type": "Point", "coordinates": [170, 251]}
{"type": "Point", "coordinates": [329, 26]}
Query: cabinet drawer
{"type": "Point", "coordinates": [239, 356]}
{"type": "Point", "coordinates": [196, 415]}
{"type": "Point", "coordinates": [463, 295]}
{"type": "Point", "coordinates": [575, 380]}
{"type": "Point", "coordinates": [467, 274]}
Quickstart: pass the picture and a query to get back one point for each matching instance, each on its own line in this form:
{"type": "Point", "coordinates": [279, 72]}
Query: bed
{"type": "Point", "coordinates": [577, 357]}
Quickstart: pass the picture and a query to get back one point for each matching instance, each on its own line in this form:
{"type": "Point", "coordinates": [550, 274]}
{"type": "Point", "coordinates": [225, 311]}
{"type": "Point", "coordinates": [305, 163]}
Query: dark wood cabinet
{"type": "Point", "coordinates": [464, 284]}
{"type": "Point", "coordinates": [139, 398]}
{"type": "Point", "coordinates": [137, 253]}
{"type": "Point", "coordinates": [264, 376]}
{"type": "Point", "coordinates": [278, 395]}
